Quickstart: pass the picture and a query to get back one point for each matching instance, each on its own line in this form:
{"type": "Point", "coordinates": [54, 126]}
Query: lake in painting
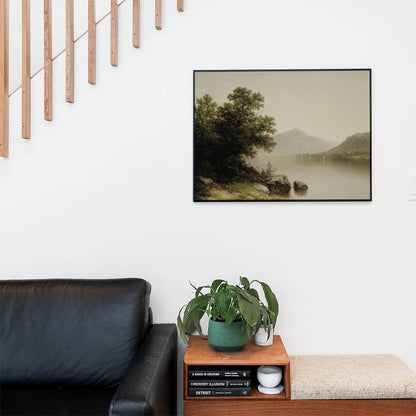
{"type": "Point", "coordinates": [282, 135]}
{"type": "Point", "coordinates": [326, 180]}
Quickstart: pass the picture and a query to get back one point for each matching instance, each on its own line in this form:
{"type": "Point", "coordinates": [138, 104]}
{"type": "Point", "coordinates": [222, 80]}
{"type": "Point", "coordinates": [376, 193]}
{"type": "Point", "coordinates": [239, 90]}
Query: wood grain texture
{"type": "Point", "coordinates": [4, 78]}
{"type": "Point", "coordinates": [47, 58]}
{"type": "Point", "coordinates": [136, 23]}
{"type": "Point", "coordinates": [92, 43]}
{"type": "Point", "coordinates": [158, 14]}
{"type": "Point", "coordinates": [114, 33]}
{"type": "Point", "coordinates": [243, 407]}
{"type": "Point", "coordinates": [69, 55]}
{"type": "Point", "coordinates": [26, 79]}
{"type": "Point", "coordinates": [200, 353]}
{"type": "Point", "coordinates": [180, 5]}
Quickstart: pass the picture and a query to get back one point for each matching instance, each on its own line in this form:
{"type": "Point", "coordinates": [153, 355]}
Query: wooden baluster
{"type": "Point", "coordinates": [180, 5]}
{"type": "Point", "coordinates": [47, 56]}
{"type": "Point", "coordinates": [114, 33]}
{"type": "Point", "coordinates": [4, 78]}
{"type": "Point", "coordinates": [91, 42]}
{"type": "Point", "coordinates": [136, 23]}
{"type": "Point", "coordinates": [158, 14]}
{"type": "Point", "coordinates": [69, 55]}
{"type": "Point", "coordinates": [26, 80]}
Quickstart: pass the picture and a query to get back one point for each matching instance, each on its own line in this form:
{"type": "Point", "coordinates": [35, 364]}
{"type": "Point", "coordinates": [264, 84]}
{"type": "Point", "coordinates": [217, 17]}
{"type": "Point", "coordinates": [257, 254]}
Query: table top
{"type": "Point", "coordinates": [200, 352]}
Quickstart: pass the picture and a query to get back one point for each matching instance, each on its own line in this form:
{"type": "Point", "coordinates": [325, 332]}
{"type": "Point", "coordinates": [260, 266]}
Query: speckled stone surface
{"type": "Point", "coordinates": [351, 377]}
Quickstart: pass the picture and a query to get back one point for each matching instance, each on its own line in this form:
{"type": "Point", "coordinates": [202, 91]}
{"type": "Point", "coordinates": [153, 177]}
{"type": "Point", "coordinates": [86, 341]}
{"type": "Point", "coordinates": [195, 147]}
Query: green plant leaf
{"type": "Point", "coordinates": [271, 299]}
{"type": "Point", "coordinates": [253, 292]}
{"type": "Point", "coordinates": [248, 329]}
{"type": "Point", "coordinates": [241, 292]}
{"type": "Point", "coordinates": [181, 327]}
{"type": "Point", "coordinates": [231, 316]}
{"type": "Point", "coordinates": [266, 321]}
{"type": "Point", "coordinates": [258, 325]}
{"type": "Point", "coordinates": [247, 296]}
{"type": "Point", "coordinates": [250, 311]}
{"type": "Point", "coordinates": [198, 290]}
{"type": "Point", "coordinates": [224, 306]}
{"type": "Point", "coordinates": [222, 301]}
{"type": "Point", "coordinates": [216, 284]}
{"type": "Point", "coordinates": [193, 314]}
{"type": "Point", "coordinates": [196, 316]}
{"type": "Point", "coordinates": [244, 282]}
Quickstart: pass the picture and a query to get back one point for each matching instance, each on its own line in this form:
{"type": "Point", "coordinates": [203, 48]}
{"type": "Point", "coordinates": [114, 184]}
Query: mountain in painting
{"type": "Point", "coordinates": [296, 141]}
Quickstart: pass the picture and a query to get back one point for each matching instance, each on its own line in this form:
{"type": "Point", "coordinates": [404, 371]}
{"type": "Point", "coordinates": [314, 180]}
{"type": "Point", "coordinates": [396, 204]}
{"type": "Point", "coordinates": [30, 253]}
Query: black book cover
{"type": "Point", "coordinates": [219, 382]}
{"type": "Point", "coordinates": [218, 391]}
{"type": "Point", "coordinates": [204, 373]}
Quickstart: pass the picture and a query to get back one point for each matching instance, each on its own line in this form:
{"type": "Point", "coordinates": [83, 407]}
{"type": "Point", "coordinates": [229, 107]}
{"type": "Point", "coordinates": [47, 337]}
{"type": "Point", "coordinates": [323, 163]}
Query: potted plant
{"type": "Point", "coordinates": [234, 311]}
{"type": "Point", "coordinates": [265, 330]}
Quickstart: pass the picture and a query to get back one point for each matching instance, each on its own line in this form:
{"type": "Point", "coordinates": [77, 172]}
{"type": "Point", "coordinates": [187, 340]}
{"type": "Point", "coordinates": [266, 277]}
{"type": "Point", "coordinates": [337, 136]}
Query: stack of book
{"type": "Point", "coordinates": [218, 382]}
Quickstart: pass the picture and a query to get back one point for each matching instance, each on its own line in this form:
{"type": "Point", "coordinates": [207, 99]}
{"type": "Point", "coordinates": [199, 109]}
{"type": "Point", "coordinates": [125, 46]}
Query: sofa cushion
{"type": "Point", "coordinates": [351, 377]}
{"type": "Point", "coordinates": [53, 401]}
{"type": "Point", "coordinates": [70, 331]}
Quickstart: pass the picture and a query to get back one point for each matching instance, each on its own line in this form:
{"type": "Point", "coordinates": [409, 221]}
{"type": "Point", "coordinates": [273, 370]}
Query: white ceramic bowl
{"type": "Point", "coordinates": [269, 375]}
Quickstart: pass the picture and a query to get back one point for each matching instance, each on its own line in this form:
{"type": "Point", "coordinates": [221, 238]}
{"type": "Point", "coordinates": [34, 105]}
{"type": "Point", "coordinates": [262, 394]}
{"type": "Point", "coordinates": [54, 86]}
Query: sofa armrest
{"type": "Point", "coordinates": [149, 387]}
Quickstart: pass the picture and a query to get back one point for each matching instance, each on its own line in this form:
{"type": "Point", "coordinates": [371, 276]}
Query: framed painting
{"type": "Point", "coordinates": [282, 135]}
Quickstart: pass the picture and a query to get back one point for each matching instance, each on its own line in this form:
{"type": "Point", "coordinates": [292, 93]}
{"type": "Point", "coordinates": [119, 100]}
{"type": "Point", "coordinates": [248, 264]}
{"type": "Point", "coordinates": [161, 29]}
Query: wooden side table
{"type": "Point", "coordinates": [200, 354]}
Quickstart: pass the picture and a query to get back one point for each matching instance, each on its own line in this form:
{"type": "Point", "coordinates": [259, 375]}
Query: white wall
{"type": "Point", "coordinates": [106, 188]}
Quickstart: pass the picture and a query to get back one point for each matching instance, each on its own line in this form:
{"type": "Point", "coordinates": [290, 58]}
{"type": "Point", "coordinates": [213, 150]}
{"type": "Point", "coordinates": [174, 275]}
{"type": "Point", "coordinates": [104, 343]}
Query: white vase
{"type": "Point", "coordinates": [269, 376]}
{"type": "Point", "coordinates": [261, 338]}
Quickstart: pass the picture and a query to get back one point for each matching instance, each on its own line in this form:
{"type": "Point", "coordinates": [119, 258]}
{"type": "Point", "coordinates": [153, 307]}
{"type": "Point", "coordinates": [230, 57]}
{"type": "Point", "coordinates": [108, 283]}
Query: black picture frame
{"type": "Point", "coordinates": [359, 162]}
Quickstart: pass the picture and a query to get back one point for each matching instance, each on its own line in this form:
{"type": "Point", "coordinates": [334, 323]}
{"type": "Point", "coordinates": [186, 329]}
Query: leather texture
{"type": "Point", "coordinates": [54, 401]}
{"type": "Point", "coordinates": [81, 345]}
{"type": "Point", "coordinates": [69, 331]}
{"type": "Point", "coordinates": [149, 388]}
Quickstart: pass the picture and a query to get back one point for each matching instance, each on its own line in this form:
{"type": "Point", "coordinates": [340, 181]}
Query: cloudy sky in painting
{"type": "Point", "coordinates": [331, 105]}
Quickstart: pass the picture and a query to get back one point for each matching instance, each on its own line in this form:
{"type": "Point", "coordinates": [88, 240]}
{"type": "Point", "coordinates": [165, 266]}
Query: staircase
{"type": "Point", "coordinates": [47, 69]}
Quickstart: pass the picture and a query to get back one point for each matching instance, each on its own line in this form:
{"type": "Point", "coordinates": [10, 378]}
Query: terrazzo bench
{"type": "Point", "coordinates": [351, 385]}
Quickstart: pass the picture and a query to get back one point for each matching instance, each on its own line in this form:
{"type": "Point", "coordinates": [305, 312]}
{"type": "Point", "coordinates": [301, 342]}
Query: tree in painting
{"type": "Point", "coordinates": [225, 136]}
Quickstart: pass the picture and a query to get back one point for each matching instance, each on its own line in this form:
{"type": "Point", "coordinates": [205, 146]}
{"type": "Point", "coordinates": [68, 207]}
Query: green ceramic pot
{"type": "Point", "coordinates": [227, 338]}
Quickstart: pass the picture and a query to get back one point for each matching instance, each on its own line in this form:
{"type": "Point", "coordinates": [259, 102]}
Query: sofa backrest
{"type": "Point", "coordinates": [70, 331]}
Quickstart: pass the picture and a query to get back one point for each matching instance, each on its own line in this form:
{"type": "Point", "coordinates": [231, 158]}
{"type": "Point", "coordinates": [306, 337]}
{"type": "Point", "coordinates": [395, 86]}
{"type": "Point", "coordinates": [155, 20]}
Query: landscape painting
{"type": "Point", "coordinates": [282, 135]}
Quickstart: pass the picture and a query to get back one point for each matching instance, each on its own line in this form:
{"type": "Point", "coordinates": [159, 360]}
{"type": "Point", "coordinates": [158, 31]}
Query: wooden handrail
{"type": "Point", "coordinates": [114, 33]}
{"type": "Point", "coordinates": [158, 14]}
{"type": "Point", "coordinates": [48, 58]}
{"type": "Point", "coordinates": [69, 56]}
{"type": "Point", "coordinates": [63, 50]}
{"type": "Point", "coordinates": [180, 5]}
{"type": "Point", "coordinates": [4, 78]}
{"type": "Point", "coordinates": [136, 23]}
{"type": "Point", "coordinates": [26, 80]}
{"type": "Point", "coordinates": [92, 37]}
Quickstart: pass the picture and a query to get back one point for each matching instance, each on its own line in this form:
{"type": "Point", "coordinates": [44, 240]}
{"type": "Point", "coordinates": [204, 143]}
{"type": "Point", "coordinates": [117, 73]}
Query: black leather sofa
{"type": "Point", "coordinates": [84, 347]}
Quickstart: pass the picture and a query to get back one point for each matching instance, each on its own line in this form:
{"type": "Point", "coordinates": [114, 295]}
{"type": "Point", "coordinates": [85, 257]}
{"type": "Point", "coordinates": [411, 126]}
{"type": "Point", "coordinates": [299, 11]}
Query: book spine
{"type": "Point", "coordinates": [219, 391]}
{"type": "Point", "coordinates": [219, 383]}
{"type": "Point", "coordinates": [219, 373]}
